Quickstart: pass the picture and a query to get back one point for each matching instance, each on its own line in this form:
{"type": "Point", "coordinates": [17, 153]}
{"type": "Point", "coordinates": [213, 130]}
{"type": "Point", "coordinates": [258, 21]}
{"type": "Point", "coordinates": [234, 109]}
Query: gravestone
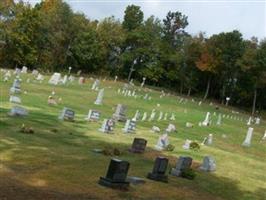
{"type": "Point", "coordinates": [116, 77]}
{"type": "Point", "coordinates": [120, 113]}
{"type": "Point", "coordinates": [209, 139]}
{"type": "Point", "coordinates": [162, 143]}
{"type": "Point", "coordinates": [143, 82]}
{"type": "Point", "coordinates": [206, 122]}
{"type": "Point", "coordinates": [183, 163]}
{"type": "Point", "coordinates": [155, 129]}
{"type": "Point", "coordinates": [144, 117]}
{"type": "Point", "coordinates": [159, 170]}
{"type": "Point", "coordinates": [24, 70]}
{"type": "Point", "coordinates": [64, 80]}
{"type": "Point", "coordinates": [81, 80]}
{"type": "Point", "coordinates": [152, 116]}
{"type": "Point", "coordinates": [14, 99]}
{"type": "Point", "coordinates": [54, 80]}
{"type": "Point", "coordinates": [116, 175]}
{"type": "Point", "coordinates": [96, 84]}
{"type": "Point", "coordinates": [219, 120]}
{"type": "Point", "coordinates": [39, 77]}
{"type": "Point", "coordinates": [171, 128]}
{"type": "Point", "coordinates": [160, 116]}
{"type": "Point", "coordinates": [136, 116]}
{"type": "Point", "coordinates": [208, 165]}
{"type": "Point", "coordinates": [130, 126]}
{"type": "Point", "coordinates": [264, 136]}
{"type": "Point", "coordinates": [16, 86]}
{"type": "Point", "coordinates": [165, 116]}
{"type": "Point", "coordinates": [172, 117]}
{"type": "Point", "coordinates": [189, 125]}
{"type": "Point", "coordinates": [67, 114]}
{"type": "Point", "coordinates": [99, 99]}
{"type": "Point", "coordinates": [249, 121]}
{"type": "Point", "coordinates": [138, 145]}
{"type": "Point", "coordinates": [18, 111]}
{"type": "Point", "coordinates": [248, 138]}
{"type": "Point", "coordinates": [257, 120]}
{"type": "Point", "coordinates": [17, 71]}
{"type": "Point", "coordinates": [93, 115]}
{"type": "Point", "coordinates": [34, 72]}
{"type": "Point", "coordinates": [107, 126]}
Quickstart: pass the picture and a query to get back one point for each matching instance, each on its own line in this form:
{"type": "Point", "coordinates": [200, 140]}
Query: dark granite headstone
{"type": "Point", "coordinates": [183, 163]}
{"type": "Point", "coordinates": [116, 175]}
{"type": "Point", "coordinates": [139, 145]}
{"type": "Point", "coordinates": [159, 170]}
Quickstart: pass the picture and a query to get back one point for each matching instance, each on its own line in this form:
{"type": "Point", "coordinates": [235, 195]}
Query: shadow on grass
{"type": "Point", "coordinates": [47, 150]}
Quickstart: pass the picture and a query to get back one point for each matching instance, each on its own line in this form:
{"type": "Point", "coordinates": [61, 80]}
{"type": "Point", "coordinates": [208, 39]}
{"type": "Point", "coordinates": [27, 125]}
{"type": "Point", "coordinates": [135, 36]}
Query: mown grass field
{"type": "Point", "coordinates": [61, 165]}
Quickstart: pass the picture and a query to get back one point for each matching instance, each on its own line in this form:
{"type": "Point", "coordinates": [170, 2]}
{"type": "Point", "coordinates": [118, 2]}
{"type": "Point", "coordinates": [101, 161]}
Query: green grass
{"type": "Point", "coordinates": [61, 165]}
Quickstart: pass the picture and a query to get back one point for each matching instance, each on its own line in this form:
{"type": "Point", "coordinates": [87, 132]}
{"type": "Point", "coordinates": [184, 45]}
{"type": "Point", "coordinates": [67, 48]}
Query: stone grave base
{"type": "Point", "coordinates": [132, 150]}
{"type": "Point", "coordinates": [116, 185]}
{"type": "Point", "coordinates": [158, 177]}
{"type": "Point", "coordinates": [175, 172]}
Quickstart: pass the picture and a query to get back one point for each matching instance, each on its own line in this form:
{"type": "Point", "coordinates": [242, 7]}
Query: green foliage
{"type": "Point", "coordinates": [188, 173]}
{"type": "Point", "coordinates": [170, 147]}
{"type": "Point", "coordinates": [194, 146]}
{"type": "Point", "coordinates": [51, 37]}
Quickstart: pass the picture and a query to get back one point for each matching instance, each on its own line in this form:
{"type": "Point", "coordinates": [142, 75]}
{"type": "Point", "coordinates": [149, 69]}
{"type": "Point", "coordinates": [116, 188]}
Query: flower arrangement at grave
{"type": "Point", "coordinates": [194, 146]}
{"type": "Point", "coordinates": [25, 129]}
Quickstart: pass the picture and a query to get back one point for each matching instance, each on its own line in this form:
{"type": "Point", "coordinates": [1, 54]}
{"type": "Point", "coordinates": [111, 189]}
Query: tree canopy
{"type": "Point", "coordinates": [50, 36]}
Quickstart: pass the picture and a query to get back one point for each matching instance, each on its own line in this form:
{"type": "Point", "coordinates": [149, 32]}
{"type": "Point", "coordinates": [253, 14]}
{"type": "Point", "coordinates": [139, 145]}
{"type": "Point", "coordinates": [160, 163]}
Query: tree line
{"type": "Point", "coordinates": [50, 36]}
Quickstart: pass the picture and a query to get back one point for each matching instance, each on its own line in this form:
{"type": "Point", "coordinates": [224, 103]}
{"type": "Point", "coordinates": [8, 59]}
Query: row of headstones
{"type": "Point", "coordinates": [129, 93]}
{"type": "Point", "coordinates": [116, 176]}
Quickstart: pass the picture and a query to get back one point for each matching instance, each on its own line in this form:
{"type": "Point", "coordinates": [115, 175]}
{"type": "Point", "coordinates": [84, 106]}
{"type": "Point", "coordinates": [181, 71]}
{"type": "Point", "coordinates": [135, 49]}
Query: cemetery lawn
{"type": "Point", "coordinates": [57, 162]}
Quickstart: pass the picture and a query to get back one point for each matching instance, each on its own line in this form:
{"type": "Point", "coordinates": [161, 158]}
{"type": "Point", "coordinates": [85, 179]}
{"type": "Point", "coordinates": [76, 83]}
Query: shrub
{"type": "Point", "coordinates": [27, 130]}
{"type": "Point", "coordinates": [194, 146]}
{"type": "Point", "coordinates": [188, 173]}
{"type": "Point", "coordinates": [170, 147]}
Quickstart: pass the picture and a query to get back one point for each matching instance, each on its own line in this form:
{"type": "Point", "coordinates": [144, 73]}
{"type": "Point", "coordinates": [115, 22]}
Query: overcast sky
{"type": "Point", "coordinates": [210, 16]}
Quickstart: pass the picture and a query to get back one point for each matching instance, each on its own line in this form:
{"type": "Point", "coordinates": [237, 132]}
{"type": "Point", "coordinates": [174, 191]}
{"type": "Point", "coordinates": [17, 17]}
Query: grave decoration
{"type": "Point", "coordinates": [51, 101]}
{"type": "Point", "coordinates": [159, 170]}
{"type": "Point", "coordinates": [116, 175]}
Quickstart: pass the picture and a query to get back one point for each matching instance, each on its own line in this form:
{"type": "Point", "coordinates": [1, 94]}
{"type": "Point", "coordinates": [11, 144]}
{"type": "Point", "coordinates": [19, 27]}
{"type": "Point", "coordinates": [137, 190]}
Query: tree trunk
{"type": "Point", "coordinates": [188, 92]}
{"type": "Point", "coordinates": [181, 88]}
{"type": "Point", "coordinates": [207, 89]}
{"type": "Point", "coordinates": [223, 94]}
{"type": "Point", "coordinates": [254, 101]}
